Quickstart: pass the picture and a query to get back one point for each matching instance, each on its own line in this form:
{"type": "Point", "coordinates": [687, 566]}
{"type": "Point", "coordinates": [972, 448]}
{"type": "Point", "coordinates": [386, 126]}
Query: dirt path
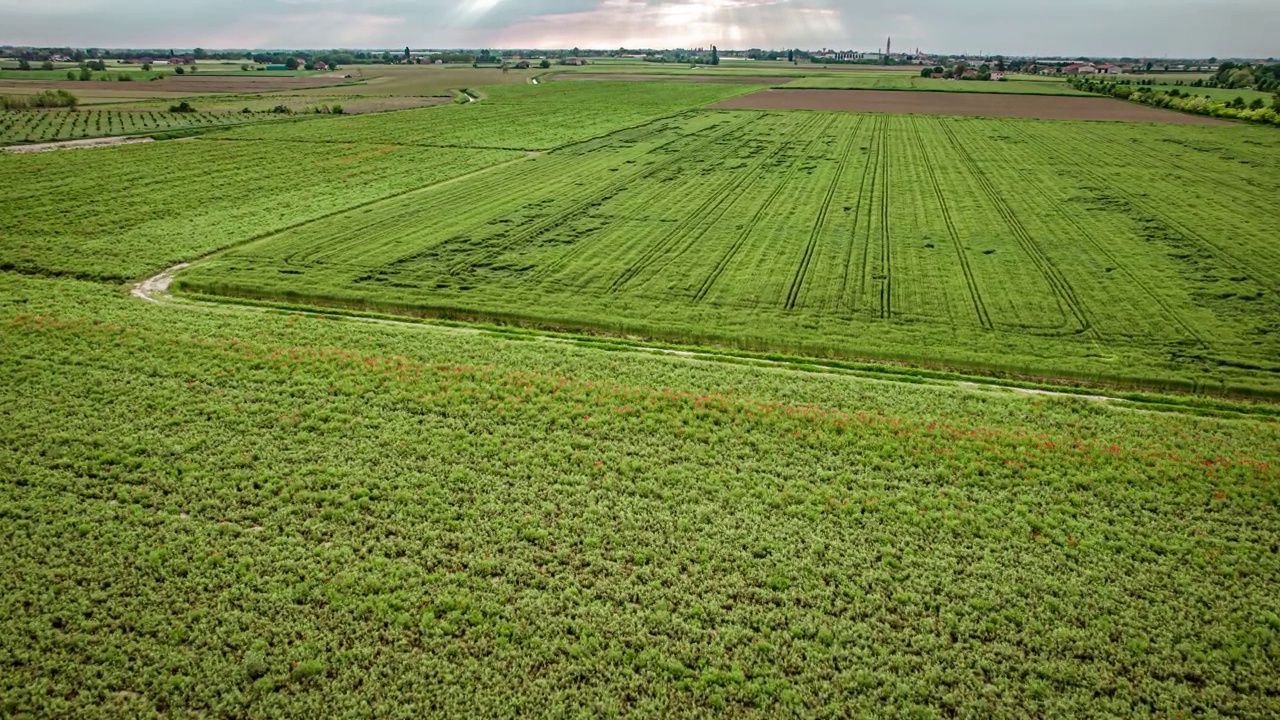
{"type": "Point", "coordinates": [75, 144]}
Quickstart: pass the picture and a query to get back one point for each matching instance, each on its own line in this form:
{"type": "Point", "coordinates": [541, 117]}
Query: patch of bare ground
{"type": "Point", "coordinates": [1043, 107]}
{"type": "Point", "coordinates": [738, 79]}
{"type": "Point", "coordinates": [74, 144]}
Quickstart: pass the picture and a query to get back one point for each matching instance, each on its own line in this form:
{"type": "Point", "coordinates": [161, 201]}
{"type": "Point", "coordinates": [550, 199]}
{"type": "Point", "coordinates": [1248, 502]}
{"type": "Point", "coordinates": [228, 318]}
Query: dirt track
{"type": "Point", "coordinates": [1045, 107]}
{"type": "Point", "coordinates": [739, 79]}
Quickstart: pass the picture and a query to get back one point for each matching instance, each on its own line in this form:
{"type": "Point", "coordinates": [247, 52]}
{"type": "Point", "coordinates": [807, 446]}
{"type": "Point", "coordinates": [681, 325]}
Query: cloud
{"type": "Point", "coordinates": [1142, 28]}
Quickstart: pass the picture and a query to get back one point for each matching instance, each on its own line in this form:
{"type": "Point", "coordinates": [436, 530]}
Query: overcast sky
{"type": "Point", "coordinates": [1142, 28]}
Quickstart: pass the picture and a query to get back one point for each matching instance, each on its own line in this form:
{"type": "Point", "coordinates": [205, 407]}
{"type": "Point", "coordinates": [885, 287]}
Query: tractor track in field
{"type": "Point", "coordinates": [1071, 220]}
{"type": "Point", "coordinates": [640, 209]}
{"type": "Point", "coordinates": [797, 282]}
{"type": "Point", "coordinates": [589, 201]}
{"type": "Point", "coordinates": [886, 266]}
{"type": "Point", "coordinates": [718, 201]}
{"type": "Point", "coordinates": [155, 290]}
{"type": "Point", "coordinates": [714, 276]}
{"type": "Point", "coordinates": [1213, 248]}
{"type": "Point", "coordinates": [1058, 283]}
{"type": "Point", "coordinates": [869, 170]}
{"type": "Point", "coordinates": [975, 294]}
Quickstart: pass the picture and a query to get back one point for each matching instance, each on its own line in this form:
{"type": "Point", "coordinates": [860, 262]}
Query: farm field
{"type": "Point", "coordinates": [1010, 245]}
{"type": "Point", "coordinates": [23, 126]}
{"type": "Point", "coordinates": [175, 201]}
{"type": "Point", "coordinates": [590, 399]}
{"type": "Point", "coordinates": [956, 103]}
{"type": "Point", "coordinates": [275, 515]}
{"type": "Point", "coordinates": [1019, 85]}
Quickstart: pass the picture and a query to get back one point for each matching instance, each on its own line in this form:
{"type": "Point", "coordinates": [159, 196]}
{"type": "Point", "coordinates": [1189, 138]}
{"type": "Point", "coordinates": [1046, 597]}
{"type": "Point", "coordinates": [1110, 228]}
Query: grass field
{"type": "Point", "coordinates": [215, 505]}
{"type": "Point", "coordinates": [1022, 246]}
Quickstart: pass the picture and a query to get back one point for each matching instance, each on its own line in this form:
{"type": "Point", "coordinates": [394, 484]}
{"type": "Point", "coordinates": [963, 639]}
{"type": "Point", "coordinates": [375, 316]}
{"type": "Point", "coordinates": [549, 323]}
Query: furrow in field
{"type": "Point", "coordinates": [727, 257]}
{"type": "Point", "coordinates": [797, 282]}
{"type": "Point", "coordinates": [975, 293]}
{"type": "Point", "coordinates": [1066, 296]}
{"type": "Point", "coordinates": [869, 170]}
{"type": "Point", "coordinates": [1069, 218]}
{"type": "Point", "coordinates": [704, 216]}
{"type": "Point", "coordinates": [594, 198]}
{"type": "Point", "coordinates": [886, 266]}
{"type": "Point", "coordinates": [659, 198]}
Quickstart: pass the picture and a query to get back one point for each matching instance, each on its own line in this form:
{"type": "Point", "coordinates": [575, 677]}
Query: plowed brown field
{"type": "Point", "coordinates": [1043, 107]}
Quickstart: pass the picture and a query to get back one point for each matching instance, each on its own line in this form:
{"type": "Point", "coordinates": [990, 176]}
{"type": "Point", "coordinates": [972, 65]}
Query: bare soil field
{"type": "Point", "coordinates": [737, 79]}
{"type": "Point", "coordinates": [195, 84]}
{"type": "Point", "coordinates": [1043, 107]}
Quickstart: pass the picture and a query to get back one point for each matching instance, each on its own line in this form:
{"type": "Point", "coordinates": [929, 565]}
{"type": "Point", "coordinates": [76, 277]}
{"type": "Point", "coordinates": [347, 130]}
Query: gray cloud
{"type": "Point", "coordinates": [1142, 28]}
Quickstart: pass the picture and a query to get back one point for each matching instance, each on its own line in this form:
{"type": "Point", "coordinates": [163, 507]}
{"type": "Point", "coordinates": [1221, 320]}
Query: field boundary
{"type": "Point", "coordinates": [160, 289]}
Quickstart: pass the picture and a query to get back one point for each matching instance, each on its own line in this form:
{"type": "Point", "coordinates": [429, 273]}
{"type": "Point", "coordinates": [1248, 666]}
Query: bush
{"type": "Point", "coordinates": [125, 77]}
{"type": "Point", "coordinates": [46, 65]}
{"type": "Point", "coordinates": [180, 70]}
{"type": "Point", "coordinates": [71, 74]}
{"type": "Point", "coordinates": [86, 74]}
{"type": "Point", "coordinates": [282, 110]}
{"type": "Point", "coordinates": [337, 110]}
{"type": "Point", "coordinates": [182, 107]}
{"type": "Point", "coordinates": [246, 111]}
{"type": "Point", "coordinates": [146, 67]}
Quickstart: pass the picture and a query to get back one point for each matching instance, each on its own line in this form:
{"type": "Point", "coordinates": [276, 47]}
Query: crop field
{"type": "Point", "coordinates": [1019, 85]}
{"type": "Point", "coordinates": [517, 117]}
{"type": "Point", "coordinates": [1002, 244]}
{"type": "Point", "coordinates": [174, 201]}
{"type": "Point", "coordinates": [971, 104]}
{"type": "Point", "coordinates": [591, 399]}
{"type": "Point", "coordinates": [28, 126]}
{"type": "Point", "coordinates": [267, 515]}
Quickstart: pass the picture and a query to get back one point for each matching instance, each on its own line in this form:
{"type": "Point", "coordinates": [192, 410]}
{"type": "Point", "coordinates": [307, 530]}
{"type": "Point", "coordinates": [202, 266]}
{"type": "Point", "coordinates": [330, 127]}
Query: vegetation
{"type": "Point", "coordinates": [916, 239]}
{"type": "Point", "coordinates": [44, 99]}
{"type": "Point", "coordinates": [1175, 99]}
{"type": "Point", "coordinates": [17, 126]}
{"type": "Point", "coordinates": [228, 511]}
{"type": "Point", "coordinates": [277, 515]}
{"type": "Point", "coordinates": [895, 80]}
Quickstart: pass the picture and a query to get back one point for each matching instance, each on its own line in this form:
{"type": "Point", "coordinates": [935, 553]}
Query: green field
{"type": "Point", "coordinates": [32, 126]}
{"type": "Point", "coordinates": [1040, 248]}
{"type": "Point", "coordinates": [252, 514]}
{"type": "Point", "coordinates": [614, 468]}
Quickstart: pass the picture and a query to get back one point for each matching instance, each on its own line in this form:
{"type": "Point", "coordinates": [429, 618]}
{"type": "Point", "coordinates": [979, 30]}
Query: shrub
{"type": "Point", "coordinates": [337, 110]}
{"type": "Point", "coordinates": [282, 110]}
{"type": "Point", "coordinates": [46, 65]}
{"type": "Point", "coordinates": [182, 107]}
{"type": "Point", "coordinates": [180, 70]}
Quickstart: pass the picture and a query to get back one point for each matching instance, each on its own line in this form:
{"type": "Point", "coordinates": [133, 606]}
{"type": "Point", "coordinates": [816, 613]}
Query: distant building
{"type": "Point", "coordinates": [573, 61]}
{"type": "Point", "coordinates": [1079, 69]}
{"type": "Point", "coordinates": [997, 75]}
{"type": "Point", "coordinates": [522, 65]}
{"type": "Point", "coordinates": [1107, 69]}
{"type": "Point", "coordinates": [321, 65]}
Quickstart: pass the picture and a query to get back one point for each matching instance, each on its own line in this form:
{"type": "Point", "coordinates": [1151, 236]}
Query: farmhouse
{"type": "Point", "coordinates": [1107, 69]}
{"type": "Point", "coordinates": [573, 61]}
{"type": "Point", "coordinates": [1080, 69]}
{"type": "Point", "coordinates": [321, 65]}
{"type": "Point", "coordinates": [997, 75]}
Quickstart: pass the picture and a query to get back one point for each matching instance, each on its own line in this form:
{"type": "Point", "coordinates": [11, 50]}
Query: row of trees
{"type": "Point", "coordinates": [1174, 99]}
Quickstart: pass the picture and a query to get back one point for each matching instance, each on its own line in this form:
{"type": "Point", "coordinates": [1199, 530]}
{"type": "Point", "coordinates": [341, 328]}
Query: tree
{"type": "Point", "coordinates": [86, 74]}
{"type": "Point", "coordinates": [406, 53]}
{"type": "Point", "coordinates": [199, 54]}
{"type": "Point", "coordinates": [146, 67]}
{"type": "Point", "coordinates": [180, 70]}
{"type": "Point", "coordinates": [1256, 104]}
{"type": "Point", "coordinates": [544, 64]}
{"type": "Point", "coordinates": [24, 64]}
{"type": "Point", "coordinates": [291, 63]}
{"type": "Point", "coordinates": [999, 63]}
{"type": "Point", "coordinates": [1275, 102]}
{"type": "Point", "coordinates": [791, 56]}
{"type": "Point", "coordinates": [926, 72]}
{"type": "Point", "coordinates": [46, 65]}
{"type": "Point", "coordinates": [715, 56]}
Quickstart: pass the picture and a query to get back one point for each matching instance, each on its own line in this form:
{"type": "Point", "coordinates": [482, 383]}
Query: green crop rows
{"type": "Point", "coordinates": [32, 126]}
{"type": "Point", "coordinates": [282, 515]}
{"type": "Point", "coordinates": [1043, 248]}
